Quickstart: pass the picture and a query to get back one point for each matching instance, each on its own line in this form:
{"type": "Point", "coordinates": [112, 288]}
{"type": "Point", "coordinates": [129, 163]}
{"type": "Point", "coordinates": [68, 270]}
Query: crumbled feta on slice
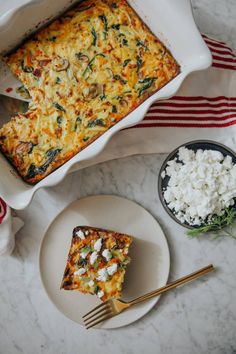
{"type": "Point", "coordinates": [98, 245]}
{"type": "Point", "coordinates": [100, 294]}
{"type": "Point", "coordinates": [80, 271]}
{"type": "Point", "coordinates": [91, 283]}
{"type": "Point", "coordinates": [107, 254]}
{"type": "Point", "coordinates": [112, 269]}
{"type": "Point", "coordinates": [80, 234]}
{"type": "Point", "coordinates": [84, 252]}
{"type": "Point", "coordinates": [102, 274]}
{"type": "Point", "coordinates": [93, 257]}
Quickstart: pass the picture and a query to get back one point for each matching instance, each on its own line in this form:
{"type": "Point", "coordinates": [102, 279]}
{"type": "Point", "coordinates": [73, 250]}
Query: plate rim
{"type": "Point", "coordinates": [153, 301]}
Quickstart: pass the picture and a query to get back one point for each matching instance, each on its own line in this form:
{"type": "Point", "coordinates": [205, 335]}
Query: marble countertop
{"type": "Point", "coordinates": [199, 318]}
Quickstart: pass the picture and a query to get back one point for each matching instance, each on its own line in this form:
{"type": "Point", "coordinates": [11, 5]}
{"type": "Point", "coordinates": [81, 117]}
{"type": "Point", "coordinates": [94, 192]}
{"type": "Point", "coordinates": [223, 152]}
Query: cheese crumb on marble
{"type": "Point", "coordinates": [201, 184]}
{"type": "Point", "coordinates": [80, 234]}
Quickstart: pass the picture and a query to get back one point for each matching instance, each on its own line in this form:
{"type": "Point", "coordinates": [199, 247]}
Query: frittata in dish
{"type": "Point", "coordinates": [97, 262]}
{"type": "Point", "coordinates": [85, 72]}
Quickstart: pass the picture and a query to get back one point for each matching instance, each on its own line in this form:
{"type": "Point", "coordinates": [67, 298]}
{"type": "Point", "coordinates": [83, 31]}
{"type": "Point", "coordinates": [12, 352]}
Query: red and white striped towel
{"type": "Point", "coordinates": [206, 100]}
{"type": "Point", "coordinates": [204, 108]}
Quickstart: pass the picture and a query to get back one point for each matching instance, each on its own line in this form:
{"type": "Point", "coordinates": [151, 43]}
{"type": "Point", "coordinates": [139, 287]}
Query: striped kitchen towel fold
{"type": "Point", "coordinates": [204, 108]}
{"type": "Point", "coordinates": [223, 56]}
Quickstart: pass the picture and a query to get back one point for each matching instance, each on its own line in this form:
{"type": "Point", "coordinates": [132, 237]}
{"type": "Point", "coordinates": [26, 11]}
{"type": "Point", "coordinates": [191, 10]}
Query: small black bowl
{"type": "Point", "coordinates": [194, 145]}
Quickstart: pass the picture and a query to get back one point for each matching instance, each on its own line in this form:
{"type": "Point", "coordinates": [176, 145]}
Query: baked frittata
{"type": "Point", "coordinates": [97, 262]}
{"type": "Point", "coordinates": [85, 72]}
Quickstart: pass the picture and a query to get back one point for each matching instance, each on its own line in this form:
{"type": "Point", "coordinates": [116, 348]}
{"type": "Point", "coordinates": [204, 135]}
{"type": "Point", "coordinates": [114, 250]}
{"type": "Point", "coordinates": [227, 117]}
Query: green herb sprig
{"type": "Point", "coordinates": [90, 64]}
{"type": "Point", "coordinates": [147, 83]}
{"type": "Point", "coordinates": [105, 24]}
{"type": "Point", "coordinates": [26, 69]}
{"type": "Point", "coordinates": [219, 226]}
{"type": "Point", "coordinates": [59, 107]}
{"type": "Point", "coordinates": [139, 63]}
{"type": "Point", "coordinates": [126, 62]}
{"type": "Point", "coordinates": [142, 44]}
{"type": "Point", "coordinates": [96, 122]}
{"type": "Point", "coordinates": [94, 35]}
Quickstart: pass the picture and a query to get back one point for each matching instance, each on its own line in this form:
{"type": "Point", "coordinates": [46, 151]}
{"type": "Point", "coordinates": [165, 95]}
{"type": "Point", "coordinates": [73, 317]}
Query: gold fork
{"type": "Point", "coordinates": [112, 307]}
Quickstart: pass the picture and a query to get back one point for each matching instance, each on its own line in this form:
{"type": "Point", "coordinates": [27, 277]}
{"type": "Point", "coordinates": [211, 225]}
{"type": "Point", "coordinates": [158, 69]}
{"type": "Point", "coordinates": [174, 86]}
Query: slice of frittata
{"type": "Point", "coordinates": [97, 262]}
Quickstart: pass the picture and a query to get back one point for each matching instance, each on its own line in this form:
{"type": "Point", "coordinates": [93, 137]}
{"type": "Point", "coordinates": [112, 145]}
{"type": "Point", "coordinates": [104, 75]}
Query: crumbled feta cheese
{"type": "Point", "coordinates": [93, 257]}
{"type": "Point", "coordinates": [80, 234]}
{"type": "Point", "coordinates": [100, 294]}
{"type": "Point", "coordinates": [84, 252]}
{"type": "Point", "coordinates": [98, 245]}
{"type": "Point", "coordinates": [107, 254]}
{"type": "Point", "coordinates": [80, 271]}
{"type": "Point", "coordinates": [91, 283]}
{"type": "Point", "coordinates": [112, 269]}
{"type": "Point", "coordinates": [163, 174]}
{"type": "Point", "coordinates": [201, 184]}
{"type": "Point", "coordinates": [102, 274]}
{"type": "Point", "coordinates": [86, 232]}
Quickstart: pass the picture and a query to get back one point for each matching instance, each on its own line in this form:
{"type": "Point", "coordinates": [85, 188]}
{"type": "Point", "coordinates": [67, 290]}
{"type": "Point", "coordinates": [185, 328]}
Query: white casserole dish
{"type": "Point", "coordinates": [170, 20]}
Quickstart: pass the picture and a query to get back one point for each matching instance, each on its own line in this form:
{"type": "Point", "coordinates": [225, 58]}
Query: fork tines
{"type": "Point", "coordinates": [99, 314]}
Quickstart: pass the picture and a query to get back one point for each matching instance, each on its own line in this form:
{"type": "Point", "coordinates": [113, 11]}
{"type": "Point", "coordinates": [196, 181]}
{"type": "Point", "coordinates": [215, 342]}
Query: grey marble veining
{"type": "Point", "coordinates": [217, 19]}
{"type": "Point", "coordinates": [199, 318]}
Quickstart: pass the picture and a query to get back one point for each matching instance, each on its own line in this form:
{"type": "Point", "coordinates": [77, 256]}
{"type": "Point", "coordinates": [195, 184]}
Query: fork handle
{"type": "Point", "coordinates": [173, 284]}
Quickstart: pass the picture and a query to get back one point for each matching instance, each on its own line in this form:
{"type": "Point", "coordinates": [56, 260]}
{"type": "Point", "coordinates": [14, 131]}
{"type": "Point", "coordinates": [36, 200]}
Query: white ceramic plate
{"type": "Point", "coordinates": [170, 20]}
{"type": "Point", "coordinates": [148, 270]}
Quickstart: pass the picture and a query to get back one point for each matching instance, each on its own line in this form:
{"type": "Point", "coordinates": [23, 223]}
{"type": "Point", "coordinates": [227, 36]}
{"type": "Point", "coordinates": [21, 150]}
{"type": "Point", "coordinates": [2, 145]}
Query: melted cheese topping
{"type": "Point", "coordinates": [85, 72]}
{"type": "Point", "coordinates": [103, 276]}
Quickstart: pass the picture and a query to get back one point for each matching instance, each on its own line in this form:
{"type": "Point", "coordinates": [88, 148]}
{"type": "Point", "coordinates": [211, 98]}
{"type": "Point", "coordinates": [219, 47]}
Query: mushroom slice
{"type": "Point", "coordinates": [60, 64]}
{"type": "Point", "coordinates": [124, 103]}
{"type": "Point", "coordinates": [25, 147]}
{"type": "Point", "coordinates": [95, 90]}
{"type": "Point", "coordinates": [109, 73]}
{"type": "Point", "coordinates": [82, 57]}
